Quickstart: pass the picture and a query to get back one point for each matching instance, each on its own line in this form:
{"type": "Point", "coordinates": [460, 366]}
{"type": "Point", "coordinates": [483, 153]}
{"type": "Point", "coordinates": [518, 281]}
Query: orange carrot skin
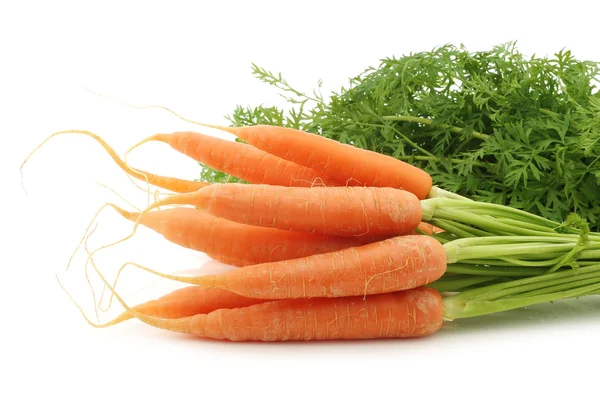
{"type": "Point", "coordinates": [245, 162]}
{"type": "Point", "coordinates": [234, 243]}
{"type": "Point", "coordinates": [192, 300]}
{"type": "Point", "coordinates": [335, 211]}
{"type": "Point", "coordinates": [411, 313]}
{"type": "Point", "coordinates": [244, 261]}
{"type": "Point", "coordinates": [235, 262]}
{"type": "Point", "coordinates": [427, 229]}
{"type": "Point", "coordinates": [398, 263]}
{"type": "Point", "coordinates": [341, 162]}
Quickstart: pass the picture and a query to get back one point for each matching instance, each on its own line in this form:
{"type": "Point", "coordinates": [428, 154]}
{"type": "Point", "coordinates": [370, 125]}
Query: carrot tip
{"type": "Point", "coordinates": [158, 137]}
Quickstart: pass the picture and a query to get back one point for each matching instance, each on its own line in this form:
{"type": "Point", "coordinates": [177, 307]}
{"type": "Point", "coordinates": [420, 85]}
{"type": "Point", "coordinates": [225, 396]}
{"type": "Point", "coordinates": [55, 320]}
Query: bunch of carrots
{"type": "Point", "coordinates": [336, 242]}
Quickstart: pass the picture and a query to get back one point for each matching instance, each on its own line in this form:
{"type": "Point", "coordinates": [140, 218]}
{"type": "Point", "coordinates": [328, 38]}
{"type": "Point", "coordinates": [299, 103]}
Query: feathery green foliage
{"type": "Point", "coordinates": [494, 125]}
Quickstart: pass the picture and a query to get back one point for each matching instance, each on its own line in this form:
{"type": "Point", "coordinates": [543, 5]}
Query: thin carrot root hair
{"type": "Point", "coordinates": [106, 308]}
{"type": "Point", "coordinates": [141, 214]}
{"type": "Point", "coordinates": [83, 238]}
{"type": "Point", "coordinates": [416, 313]}
{"type": "Point", "coordinates": [157, 137]}
{"type": "Point", "coordinates": [121, 196]}
{"type": "Point", "coordinates": [111, 152]}
{"type": "Point", "coordinates": [125, 214]}
{"type": "Point", "coordinates": [98, 303]}
{"type": "Point", "coordinates": [122, 240]}
{"type": "Point", "coordinates": [182, 279]}
{"type": "Point", "coordinates": [163, 137]}
{"type": "Point", "coordinates": [160, 137]}
{"type": "Point", "coordinates": [136, 224]}
{"type": "Point", "coordinates": [114, 285]}
{"type": "Point", "coordinates": [150, 320]}
{"type": "Point", "coordinates": [86, 236]}
{"type": "Point", "coordinates": [144, 107]}
{"type": "Point", "coordinates": [216, 281]}
{"type": "Point", "coordinates": [125, 161]}
{"type": "Point", "coordinates": [368, 281]}
{"type": "Point", "coordinates": [181, 117]}
{"type": "Point", "coordinates": [129, 312]}
{"type": "Point", "coordinates": [87, 276]}
{"type": "Point", "coordinates": [114, 321]}
{"type": "Point", "coordinates": [169, 183]}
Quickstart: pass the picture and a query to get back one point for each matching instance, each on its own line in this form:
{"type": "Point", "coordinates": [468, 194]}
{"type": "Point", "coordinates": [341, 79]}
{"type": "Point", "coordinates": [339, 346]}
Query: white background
{"type": "Point", "coordinates": [195, 58]}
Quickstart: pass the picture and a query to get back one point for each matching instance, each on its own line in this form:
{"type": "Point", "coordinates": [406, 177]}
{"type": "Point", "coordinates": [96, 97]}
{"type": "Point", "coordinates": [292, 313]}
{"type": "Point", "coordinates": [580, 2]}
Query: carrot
{"type": "Point", "coordinates": [416, 312]}
{"type": "Point", "coordinates": [337, 211]}
{"type": "Point", "coordinates": [224, 259]}
{"type": "Point", "coordinates": [188, 301]}
{"type": "Point", "coordinates": [411, 313]}
{"type": "Point", "coordinates": [241, 160]}
{"type": "Point", "coordinates": [234, 243]}
{"type": "Point", "coordinates": [341, 162]}
{"type": "Point", "coordinates": [173, 184]}
{"type": "Point", "coordinates": [427, 229]}
{"type": "Point", "coordinates": [398, 263]}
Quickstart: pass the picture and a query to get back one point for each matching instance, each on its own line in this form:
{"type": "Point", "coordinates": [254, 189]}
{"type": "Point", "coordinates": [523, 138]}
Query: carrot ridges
{"type": "Point", "coordinates": [399, 263]}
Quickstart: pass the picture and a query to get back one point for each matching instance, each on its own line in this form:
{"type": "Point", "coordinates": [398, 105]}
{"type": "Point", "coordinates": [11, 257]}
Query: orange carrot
{"type": "Point", "coordinates": [241, 160]}
{"type": "Point", "coordinates": [398, 263]}
{"type": "Point", "coordinates": [411, 313]}
{"type": "Point", "coordinates": [336, 211]}
{"type": "Point", "coordinates": [341, 162]}
{"type": "Point", "coordinates": [415, 312]}
{"type": "Point", "coordinates": [173, 184]}
{"type": "Point", "coordinates": [428, 228]}
{"type": "Point", "coordinates": [188, 301]}
{"type": "Point", "coordinates": [225, 260]}
{"type": "Point", "coordinates": [234, 243]}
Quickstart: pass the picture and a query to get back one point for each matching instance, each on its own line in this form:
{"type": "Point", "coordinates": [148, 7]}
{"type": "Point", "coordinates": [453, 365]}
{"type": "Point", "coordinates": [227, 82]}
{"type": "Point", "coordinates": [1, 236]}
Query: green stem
{"type": "Point", "coordinates": [460, 282]}
{"type": "Point", "coordinates": [526, 261]}
{"type": "Point", "coordinates": [541, 278]}
{"type": "Point", "coordinates": [493, 240]}
{"type": "Point", "coordinates": [456, 252]}
{"type": "Point", "coordinates": [437, 192]}
{"type": "Point", "coordinates": [523, 292]}
{"type": "Point", "coordinates": [564, 286]}
{"type": "Point", "coordinates": [430, 206]}
{"type": "Point", "coordinates": [568, 258]}
{"type": "Point", "coordinates": [478, 308]}
{"type": "Point", "coordinates": [473, 232]}
{"type": "Point", "coordinates": [522, 261]}
{"type": "Point", "coordinates": [483, 270]}
{"type": "Point", "coordinates": [427, 121]}
{"type": "Point", "coordinates": [413, 144]}
{"type": "Point", "coordinates": [436, 159]}
{"type": "Point", "coordinates": [543, 251]}
{"type": "Point", "coordinates": [491, 224]}
{"type": "Point", "coordinates": [525, 225]}
{"type": "Point", "coordinates": [589, 255]}
{"type": "Point", "coordinates": [452, 227]}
